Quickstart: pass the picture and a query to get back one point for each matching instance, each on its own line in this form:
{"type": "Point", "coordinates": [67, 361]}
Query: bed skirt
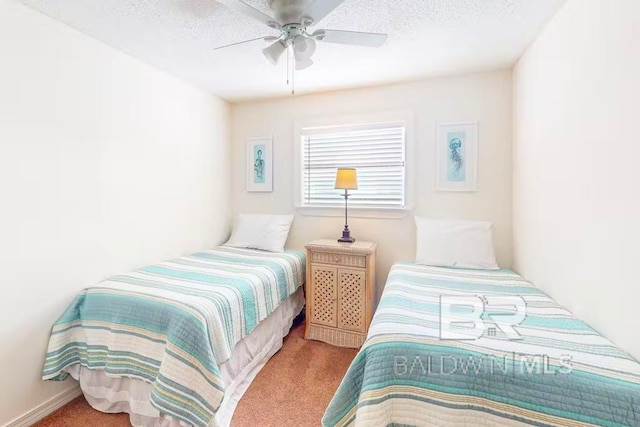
{"type": "Point", "coordinates": [116, 395]}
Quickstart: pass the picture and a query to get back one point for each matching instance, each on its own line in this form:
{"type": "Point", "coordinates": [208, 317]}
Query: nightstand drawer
{"type": "Point", "coordinates": [339, 259]}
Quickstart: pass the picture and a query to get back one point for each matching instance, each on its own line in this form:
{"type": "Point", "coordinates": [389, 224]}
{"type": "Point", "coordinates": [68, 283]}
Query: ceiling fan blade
{"type": "Point", "coordinates": [351, 37]}
{"type": "Point", "coordinates": [318, 9]}
{"type": "Point", "coordinates": [267, 39]}
{"type": "Point", "coordinates": [251, 12]}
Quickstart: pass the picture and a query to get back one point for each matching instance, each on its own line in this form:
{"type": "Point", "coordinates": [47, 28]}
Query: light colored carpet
{"type": "Point", "coordinates": [294, 388]}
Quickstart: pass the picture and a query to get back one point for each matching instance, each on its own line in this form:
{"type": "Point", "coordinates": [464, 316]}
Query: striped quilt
{"type": "Point", "coordinates": [482, 348]}
{"type": "Point", "coordinates": [174, 323]}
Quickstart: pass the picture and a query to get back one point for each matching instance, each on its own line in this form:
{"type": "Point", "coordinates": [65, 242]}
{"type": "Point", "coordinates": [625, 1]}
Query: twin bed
{"type": "Point", "coordinates": [178, 343]}
{"type": "Point", "coordinates": [557, 372]}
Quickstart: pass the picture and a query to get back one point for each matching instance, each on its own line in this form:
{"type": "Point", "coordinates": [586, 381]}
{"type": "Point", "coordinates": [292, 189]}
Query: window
{"type": "Point", "coordinates": [376, 151]}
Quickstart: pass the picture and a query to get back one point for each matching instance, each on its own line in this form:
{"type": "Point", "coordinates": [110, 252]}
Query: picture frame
{"type": "Point", "coordinates": [260, 164]}
{"type": "Point", "coordinates": [457, 156]}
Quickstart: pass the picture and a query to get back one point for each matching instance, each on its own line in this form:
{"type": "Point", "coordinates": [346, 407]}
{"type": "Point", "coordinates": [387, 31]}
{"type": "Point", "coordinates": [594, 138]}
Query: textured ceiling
{"type": "Point", "coordinates": [427, 38]}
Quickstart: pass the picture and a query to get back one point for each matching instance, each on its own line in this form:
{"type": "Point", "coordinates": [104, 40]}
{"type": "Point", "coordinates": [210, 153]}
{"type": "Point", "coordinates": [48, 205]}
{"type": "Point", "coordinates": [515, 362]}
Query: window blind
{"type": "Point", "coordinates": [376, 151]}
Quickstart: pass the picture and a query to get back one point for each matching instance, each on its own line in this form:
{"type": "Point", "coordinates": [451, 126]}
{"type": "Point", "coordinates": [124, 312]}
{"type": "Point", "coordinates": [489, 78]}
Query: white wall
{"type": "Point", "coordinates": [483, 97]}
{"type": "Point", "coordinates": [576, 174]}
{"type": "Point", "coordinates": [106, 164]}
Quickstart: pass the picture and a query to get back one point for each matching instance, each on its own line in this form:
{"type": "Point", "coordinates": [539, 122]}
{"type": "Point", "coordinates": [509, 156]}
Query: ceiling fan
{"type": "Point", "coordinates": [293, 20]}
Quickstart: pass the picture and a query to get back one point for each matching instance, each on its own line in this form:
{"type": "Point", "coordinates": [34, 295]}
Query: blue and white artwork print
{"type": "Point", "coordinates": [457, 156]}
{"type": "Point", "coordinates": [456, 142]}
{"type": "Point", "coordinates": [259, 164]}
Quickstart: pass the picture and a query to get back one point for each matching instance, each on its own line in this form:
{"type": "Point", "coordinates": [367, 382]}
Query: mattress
{"type": "Point", "coordinates": [483, 348]}
{"type": "Point", "coordinates": [173, 325]}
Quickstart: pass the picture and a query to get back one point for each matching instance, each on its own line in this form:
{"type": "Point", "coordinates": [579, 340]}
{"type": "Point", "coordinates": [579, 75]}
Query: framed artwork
{"type": "Point", "coordinates": [457, 157]}
{"type": "Point", "coordinates": [260, 164]}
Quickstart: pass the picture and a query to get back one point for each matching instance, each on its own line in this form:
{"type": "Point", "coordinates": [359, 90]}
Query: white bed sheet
{"type": "Point", "coordinates": [115, 395]}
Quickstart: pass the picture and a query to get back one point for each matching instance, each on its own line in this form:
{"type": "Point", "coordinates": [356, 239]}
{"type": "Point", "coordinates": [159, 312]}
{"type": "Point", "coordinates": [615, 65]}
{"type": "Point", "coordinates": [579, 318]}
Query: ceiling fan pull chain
{"type": "Point", "coordinates": [293, 68]}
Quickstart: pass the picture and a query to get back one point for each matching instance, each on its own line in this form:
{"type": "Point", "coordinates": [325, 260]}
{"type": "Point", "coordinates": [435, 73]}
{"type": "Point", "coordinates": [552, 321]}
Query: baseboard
{"type": "Point", "coordinates": [41, 411]}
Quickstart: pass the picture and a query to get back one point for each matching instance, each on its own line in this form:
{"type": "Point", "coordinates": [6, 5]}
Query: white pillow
{"type": "Point", "coordinates": [265, 232]}
{"type": "Point", "coordinates": [461, 244]}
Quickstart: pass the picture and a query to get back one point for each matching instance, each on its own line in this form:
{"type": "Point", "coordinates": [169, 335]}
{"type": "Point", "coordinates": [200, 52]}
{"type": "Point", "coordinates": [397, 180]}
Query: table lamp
{"type": "Point", "coordinates": [346, 179]}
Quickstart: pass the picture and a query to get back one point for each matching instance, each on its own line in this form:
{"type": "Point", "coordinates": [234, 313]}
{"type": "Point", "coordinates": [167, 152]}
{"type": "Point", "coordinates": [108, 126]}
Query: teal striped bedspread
{"type": "Point", "coordinates": [173, 324]}
{"type": "Point", "coordinates": [482, 348]}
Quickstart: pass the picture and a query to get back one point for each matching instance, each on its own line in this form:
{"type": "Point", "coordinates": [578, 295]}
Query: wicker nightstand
{"type": "Point", "coordinates": [339, 291]}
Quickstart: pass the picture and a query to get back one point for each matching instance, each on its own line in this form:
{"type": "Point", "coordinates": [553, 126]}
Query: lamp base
{"type": "Point", "coordinates": [346, 236]}
{"type": "Point", "coordinates": [346, 240]}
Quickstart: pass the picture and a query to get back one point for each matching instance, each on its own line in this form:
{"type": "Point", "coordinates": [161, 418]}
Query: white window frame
{"type": "Point", "coordinates": [344, 122]}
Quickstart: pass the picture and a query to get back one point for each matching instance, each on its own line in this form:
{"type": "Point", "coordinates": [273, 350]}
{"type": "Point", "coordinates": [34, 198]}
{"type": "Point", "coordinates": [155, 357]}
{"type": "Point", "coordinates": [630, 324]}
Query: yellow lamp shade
{"type": "Point", "coordinates": [346, 179]}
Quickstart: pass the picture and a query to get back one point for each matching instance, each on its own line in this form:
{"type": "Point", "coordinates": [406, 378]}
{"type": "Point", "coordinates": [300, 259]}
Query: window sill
{"type": "Point", "coordinates": [355, 212]}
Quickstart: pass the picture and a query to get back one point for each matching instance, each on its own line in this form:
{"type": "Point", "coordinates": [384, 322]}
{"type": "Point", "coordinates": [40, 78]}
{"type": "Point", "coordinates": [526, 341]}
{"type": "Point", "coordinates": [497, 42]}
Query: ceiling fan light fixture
{"type": "Point", "coordinates": [304, 63]}
{"type": "Point", "coordinates": [274, 52]}
{"type": "Point", "coordinates": [304, 47]}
